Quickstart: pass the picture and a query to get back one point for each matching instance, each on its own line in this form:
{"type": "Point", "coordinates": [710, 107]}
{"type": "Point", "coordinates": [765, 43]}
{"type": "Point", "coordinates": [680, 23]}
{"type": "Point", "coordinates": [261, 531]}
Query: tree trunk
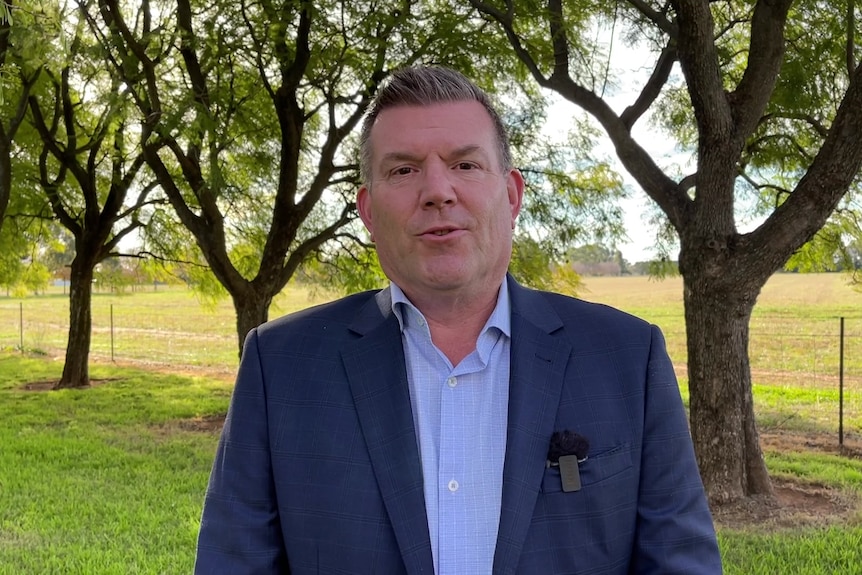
{"type": "Point", "coordinates": [252, 309]}
{"type": "Point", "coordinates": [76, 368]}
{"type": "Point", "coordinates": [717, 315]}
{"type": "Point", "coordinates": [5, 178]}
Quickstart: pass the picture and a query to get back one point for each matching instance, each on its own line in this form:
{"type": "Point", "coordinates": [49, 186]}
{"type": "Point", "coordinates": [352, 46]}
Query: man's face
{"type": "Point", "coordinates": [440, 207]}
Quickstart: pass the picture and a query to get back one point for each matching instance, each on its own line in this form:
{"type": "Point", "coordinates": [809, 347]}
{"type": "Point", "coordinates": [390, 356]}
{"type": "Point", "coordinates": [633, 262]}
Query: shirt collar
{"type": "Point", "coordinates": [501, 316]}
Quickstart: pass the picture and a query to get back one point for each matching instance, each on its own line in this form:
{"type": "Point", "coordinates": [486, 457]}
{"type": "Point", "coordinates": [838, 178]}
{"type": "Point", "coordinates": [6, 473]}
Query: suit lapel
{"type": "Point", "coordinates": [378, 380]}
{"type": "Point", "coordinates": [538, 364]}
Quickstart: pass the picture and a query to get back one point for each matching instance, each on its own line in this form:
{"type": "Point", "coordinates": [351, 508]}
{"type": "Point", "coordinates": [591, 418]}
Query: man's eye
{"type": "Point", "coordinates": [466, 166]}
{"type": "Point", "coordinates": [403, 171]}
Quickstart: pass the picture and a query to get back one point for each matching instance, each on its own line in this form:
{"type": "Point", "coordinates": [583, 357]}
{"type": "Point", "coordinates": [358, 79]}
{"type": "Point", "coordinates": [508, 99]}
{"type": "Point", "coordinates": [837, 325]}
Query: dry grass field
{"type": "Point", "coordinates": [825, 292]}
{"type": "Point", "coordinates": [795, 327]}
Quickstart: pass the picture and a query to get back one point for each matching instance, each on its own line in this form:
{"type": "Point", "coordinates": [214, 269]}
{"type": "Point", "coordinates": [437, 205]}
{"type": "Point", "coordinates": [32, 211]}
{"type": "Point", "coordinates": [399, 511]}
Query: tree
{"type": "Point", "coordinates": [27, 248]}
{"type": "Point", "coordinates": [20, 67]}
{"type": "Point", "coordinates": [81, 116]}
{"type": "Point", "coordinates": [772, 105]}
{"type": "Point", "coordinates": [250, 111]}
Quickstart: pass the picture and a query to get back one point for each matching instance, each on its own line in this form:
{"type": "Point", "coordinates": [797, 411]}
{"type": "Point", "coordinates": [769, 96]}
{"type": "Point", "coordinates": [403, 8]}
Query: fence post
{"type": "Point", "coordinates": [21, 326]}
{"type": "Point", "coordinates": [112, 333]}
{"type": "Point", "coordinates": [841, 385]}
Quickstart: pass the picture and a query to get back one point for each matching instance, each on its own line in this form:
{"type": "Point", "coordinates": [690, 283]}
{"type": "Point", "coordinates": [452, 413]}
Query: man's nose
{"type": "Point", "coordinates": [438, 188]}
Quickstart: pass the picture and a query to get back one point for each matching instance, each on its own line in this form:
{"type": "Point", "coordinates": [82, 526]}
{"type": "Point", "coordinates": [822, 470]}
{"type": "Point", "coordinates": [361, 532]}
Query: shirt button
{"type": "Point", "coordinates": [453, 486]}
{"type": "Point", "coordinates": [452, 381]}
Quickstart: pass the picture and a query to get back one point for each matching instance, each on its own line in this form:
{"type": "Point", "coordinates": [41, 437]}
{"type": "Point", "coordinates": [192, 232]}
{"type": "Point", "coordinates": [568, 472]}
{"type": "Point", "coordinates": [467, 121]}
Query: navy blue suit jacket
{"type": "Point", "coordinates": [318, 471]}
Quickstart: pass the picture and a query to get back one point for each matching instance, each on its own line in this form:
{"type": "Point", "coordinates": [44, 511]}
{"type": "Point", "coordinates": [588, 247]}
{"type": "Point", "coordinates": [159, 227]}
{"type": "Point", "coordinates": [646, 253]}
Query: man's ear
{"type": "Point", "coordinates": [363, 205]}
{"type": "Point", "coordinates": [515, 189]}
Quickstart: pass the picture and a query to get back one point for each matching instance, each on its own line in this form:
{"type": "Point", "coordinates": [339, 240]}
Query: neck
{"type": "Point", "coordinates": [456, 322]}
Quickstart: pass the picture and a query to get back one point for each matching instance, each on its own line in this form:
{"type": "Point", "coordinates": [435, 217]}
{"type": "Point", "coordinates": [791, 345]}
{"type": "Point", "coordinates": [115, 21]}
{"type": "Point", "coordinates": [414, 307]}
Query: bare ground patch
{"type": "Point", "coordinates": [206, 424]}
{"type": "Point", "coordinates": [797, 503]}
{"type": "Point", "coordinates": [48, 384]}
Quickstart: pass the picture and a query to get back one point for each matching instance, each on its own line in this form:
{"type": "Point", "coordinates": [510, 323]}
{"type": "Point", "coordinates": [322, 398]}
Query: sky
{"type": "Point", "coordinates": [634, 66]}
{"type": "Point", "coordinates": [640, 245]}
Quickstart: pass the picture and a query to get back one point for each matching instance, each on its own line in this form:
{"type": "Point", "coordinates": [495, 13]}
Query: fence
{"type": "Point", "coordinates": [162, 336]}
{"type": "Point", "coordinates": [806, 372]}
{"type": "Point", "coordinates": [805, 368]}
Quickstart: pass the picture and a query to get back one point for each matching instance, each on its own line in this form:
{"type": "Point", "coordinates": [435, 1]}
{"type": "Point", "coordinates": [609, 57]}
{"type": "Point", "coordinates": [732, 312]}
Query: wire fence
{"type": "Point", "coordinates": [160, 336]}
{"type": "Point", "coordinates": [806, 369]}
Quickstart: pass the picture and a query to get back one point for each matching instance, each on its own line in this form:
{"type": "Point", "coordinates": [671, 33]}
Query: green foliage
{"type": "Point", "coordinates": [199, 277]}
{"type": "Point", "coordinates": [148, 270]}
{"type": "Point", "coordinates": [662, 268]}
{"type": "Point", "coordinates": [572, 192]}
{"type": "Point", "coordinates": [5, 12]}
{"type": "Point", "coordinates": [25, 256]}
{"type": "Point", "coordinates": [836, 247]}
{"type": "Point", "coordinates": [262, 141]}
{"type": "Point", "coordinates": [533, 264]}
{"type": "Point", "coordinates": [348, 270]}
{"type": "Point", "coordinates": [591, 254]}
{"type": "Point", "coordinates": [113, 275]}
{"type": "Point", "coordinates": [11, 265]}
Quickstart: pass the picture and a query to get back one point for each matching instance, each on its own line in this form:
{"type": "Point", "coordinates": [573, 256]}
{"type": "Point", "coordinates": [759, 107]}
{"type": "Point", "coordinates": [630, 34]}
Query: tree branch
{"type": "Point", "coordinates": [820, 190]}
{"type": "Point", "coordinates": [765, 54]}
{"type": "Point", "coordinates": [652, 89]}
{"type": "Point", "coordinates": [505, 22]}
{"type": "Point", "coordinates": [851, 36]}
{"type": "Point", "coordinates": [664, 191]}
{"type": "Point", "coordinates": [658, 18]}
{"type": "Point", "coordinates": [698, 58]}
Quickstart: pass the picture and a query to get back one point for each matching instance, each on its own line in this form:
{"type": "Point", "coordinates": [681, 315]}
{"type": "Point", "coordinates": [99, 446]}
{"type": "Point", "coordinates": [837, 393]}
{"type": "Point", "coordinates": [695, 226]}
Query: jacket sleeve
{"type": "Point", "coordinates": [675, 533]}
{"type": "Point", "coordinates": [240, 530]}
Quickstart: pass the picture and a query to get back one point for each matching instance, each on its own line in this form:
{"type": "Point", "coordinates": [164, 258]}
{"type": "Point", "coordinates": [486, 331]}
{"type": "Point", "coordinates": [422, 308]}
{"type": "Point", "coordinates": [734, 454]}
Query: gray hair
{"type": "Point", "coordinates": [424, 86]}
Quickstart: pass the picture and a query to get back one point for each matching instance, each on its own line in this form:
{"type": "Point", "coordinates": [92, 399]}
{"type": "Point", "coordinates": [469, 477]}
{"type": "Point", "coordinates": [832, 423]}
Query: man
{"type": "Point", "coordinates": [410, 430]}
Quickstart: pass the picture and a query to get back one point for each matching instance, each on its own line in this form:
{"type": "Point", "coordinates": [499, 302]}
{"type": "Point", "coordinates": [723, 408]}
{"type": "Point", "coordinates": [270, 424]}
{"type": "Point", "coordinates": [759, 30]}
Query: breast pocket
{"type": "Point", "coordinates": [593, 526]}
{"type": "Point", "coordinates": [594, 471]}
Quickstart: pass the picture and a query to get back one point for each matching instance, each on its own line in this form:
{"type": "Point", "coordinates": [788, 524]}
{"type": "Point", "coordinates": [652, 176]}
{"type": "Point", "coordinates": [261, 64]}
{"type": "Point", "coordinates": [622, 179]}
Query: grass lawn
{"type": "Point", "coordinates": [111, 479]}
{"type": "Point", "coordinates": [103, 480]}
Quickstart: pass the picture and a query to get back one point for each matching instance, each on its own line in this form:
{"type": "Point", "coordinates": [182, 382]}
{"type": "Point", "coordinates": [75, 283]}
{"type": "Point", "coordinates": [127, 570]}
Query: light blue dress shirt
{"type": "Point", "coordinates": [460, 414]}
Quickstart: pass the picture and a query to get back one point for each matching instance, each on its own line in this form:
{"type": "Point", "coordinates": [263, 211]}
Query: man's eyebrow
{"type": "Point", "coordinates": [399, 157]}
{"type": "Point", "coordinates": [456, 153]}
{"type": "Point", "coordinates": [466, 151]}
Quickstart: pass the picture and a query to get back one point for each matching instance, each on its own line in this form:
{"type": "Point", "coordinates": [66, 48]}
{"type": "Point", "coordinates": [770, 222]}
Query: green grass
{"type": "Point", "coordinates": [106, 480]}
{"type": "Point", "coordinates": [825, 551]}
{"type": "Point", "coordinates": [818, 468]}
{"type": "Point", "coordinates": [102, 480]}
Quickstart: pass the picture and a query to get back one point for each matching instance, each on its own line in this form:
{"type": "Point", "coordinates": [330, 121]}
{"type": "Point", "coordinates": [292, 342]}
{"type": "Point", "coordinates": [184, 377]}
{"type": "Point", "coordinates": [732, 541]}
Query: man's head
{"type": "Point", "coordinates": [440, 197]}
{"type": "Point", "coordinates": [424, 86]}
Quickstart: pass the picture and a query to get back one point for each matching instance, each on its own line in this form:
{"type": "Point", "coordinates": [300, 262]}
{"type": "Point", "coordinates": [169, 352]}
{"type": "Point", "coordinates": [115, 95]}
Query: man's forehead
{"type": "Point", "coordinates": [461, 124]}
{"type": "Point", "coordinates": [433, 111]}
